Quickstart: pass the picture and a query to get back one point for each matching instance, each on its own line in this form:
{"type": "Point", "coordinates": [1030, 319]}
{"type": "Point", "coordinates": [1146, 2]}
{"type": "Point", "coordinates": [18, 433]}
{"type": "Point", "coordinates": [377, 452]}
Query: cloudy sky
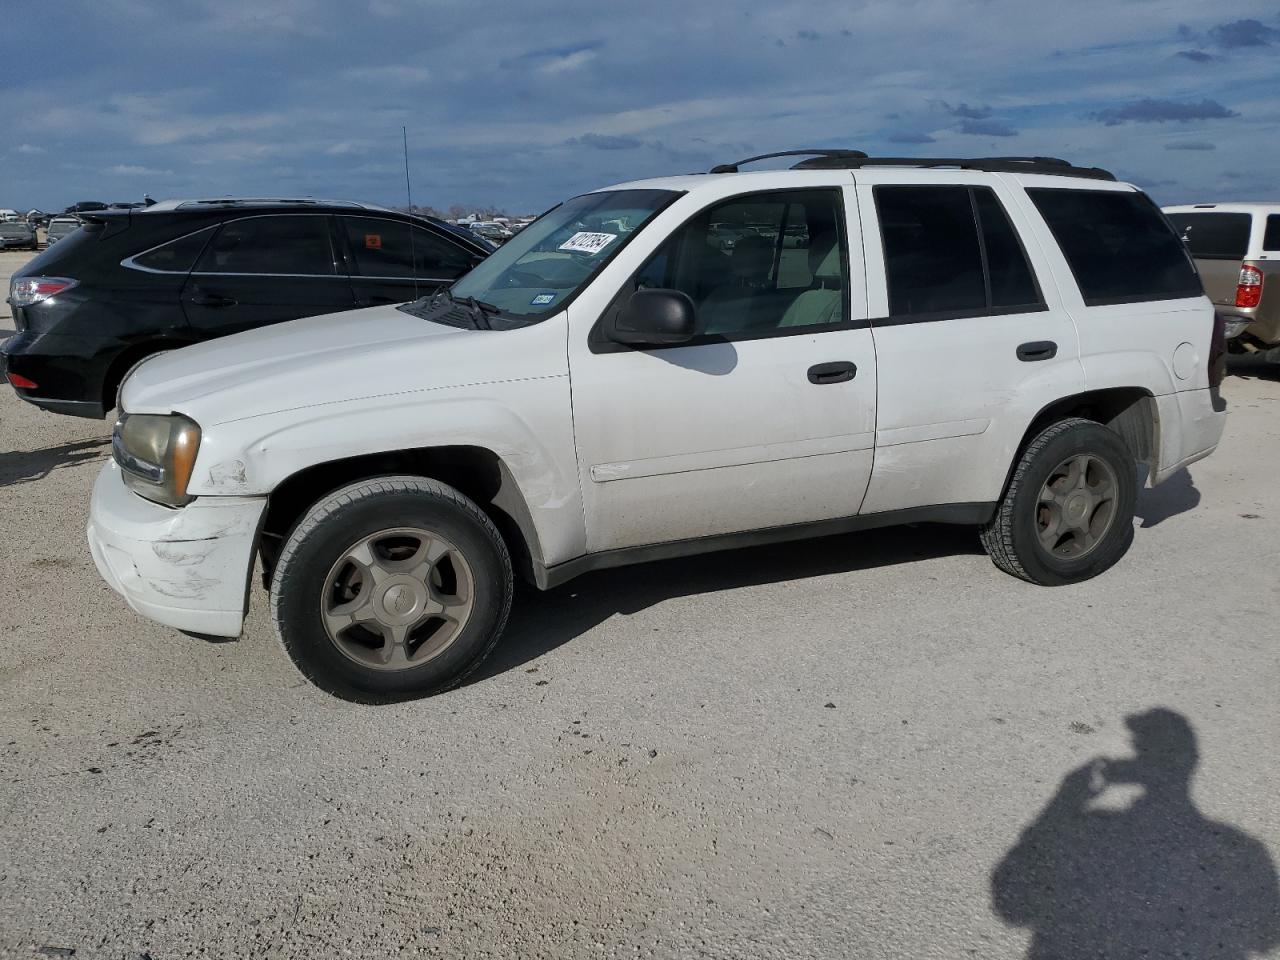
{"type": "Point", "coordinates": [520, 104]}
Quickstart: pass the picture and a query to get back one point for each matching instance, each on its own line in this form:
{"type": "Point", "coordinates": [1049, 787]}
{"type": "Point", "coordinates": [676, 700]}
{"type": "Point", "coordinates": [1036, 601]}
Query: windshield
{"type": "Point", "coordinates": [547, 263]}
{"type": "Point", "coordinates": [60, 227]}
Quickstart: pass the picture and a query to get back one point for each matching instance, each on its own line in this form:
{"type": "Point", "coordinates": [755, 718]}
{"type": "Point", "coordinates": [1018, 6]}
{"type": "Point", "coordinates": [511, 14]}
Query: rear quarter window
{"type": "Point", "coordinates": [1214, 236]}
{"type": "Point", "coordinates": [1118, 244]}
{"type": "Point", "coordinates": [1271, 237]}
{"type": "Point", "coordinates": [176, 256]}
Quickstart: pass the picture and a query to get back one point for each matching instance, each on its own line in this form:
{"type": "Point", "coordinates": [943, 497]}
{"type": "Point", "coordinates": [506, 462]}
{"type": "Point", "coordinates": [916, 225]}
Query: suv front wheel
{"type": "Point", "coordinates": [1068, 512]}
{"type": "Point", "coordinates": [391, 588]}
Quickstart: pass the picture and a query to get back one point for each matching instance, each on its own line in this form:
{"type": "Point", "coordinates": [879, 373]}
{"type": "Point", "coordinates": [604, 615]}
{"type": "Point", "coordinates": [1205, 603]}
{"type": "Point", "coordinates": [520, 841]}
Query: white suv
{"type": "Point", "coordinates": [999, 343]}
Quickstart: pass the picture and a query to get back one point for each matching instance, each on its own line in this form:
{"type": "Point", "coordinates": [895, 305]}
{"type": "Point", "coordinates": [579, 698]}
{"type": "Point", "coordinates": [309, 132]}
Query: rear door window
{"type": "Point", "coordinates": [298, 245]}
{"type": "Point", "coordinates": [1118, 244]}
{"type": "Point", "coordinates": [392, 249]}
{"type": "Point", "coordinates": [1011, 281]}
{"type": "Point", "coordinates": [951, 251]}
{"type": "Point", "coordinates": [933, 260]}
{"type": "Point", "coordinates": [1214, 236]}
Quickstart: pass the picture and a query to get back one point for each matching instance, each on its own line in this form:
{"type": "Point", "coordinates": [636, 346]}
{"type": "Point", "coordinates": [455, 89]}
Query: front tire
{"type": "Point", "coordinates": [1067, 515]}
{"type": "Point", "coordinates": [391, 588]}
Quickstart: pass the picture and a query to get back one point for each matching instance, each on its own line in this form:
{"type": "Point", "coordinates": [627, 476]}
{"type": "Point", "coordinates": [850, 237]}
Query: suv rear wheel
{"type": "Point", "coordinates": [1068, 512]}
{"type": "Point", "coordinates": [391, 588]}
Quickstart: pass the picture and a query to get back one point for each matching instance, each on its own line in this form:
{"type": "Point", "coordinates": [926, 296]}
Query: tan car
{"type": "Point", "coordinates": [1236, 247]}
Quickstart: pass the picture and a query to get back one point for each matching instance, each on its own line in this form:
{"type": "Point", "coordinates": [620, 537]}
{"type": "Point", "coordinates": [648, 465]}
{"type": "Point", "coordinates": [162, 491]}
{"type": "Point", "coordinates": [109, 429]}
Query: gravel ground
{"type": "Point", "coordinates": [817, 750]}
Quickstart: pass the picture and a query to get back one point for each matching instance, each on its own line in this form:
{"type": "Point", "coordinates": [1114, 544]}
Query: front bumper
{"type": "Point", "coordinates": [186, 568]}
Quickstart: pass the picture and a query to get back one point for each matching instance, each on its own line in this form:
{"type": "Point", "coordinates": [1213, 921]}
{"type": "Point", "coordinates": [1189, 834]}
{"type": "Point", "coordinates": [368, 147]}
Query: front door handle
{"type": "Point", "coordinates": [838, 371]}
{"type": "Point", "coordinates": [1037, 350]}
{"type": "Point", "coordinates": [212, 300]}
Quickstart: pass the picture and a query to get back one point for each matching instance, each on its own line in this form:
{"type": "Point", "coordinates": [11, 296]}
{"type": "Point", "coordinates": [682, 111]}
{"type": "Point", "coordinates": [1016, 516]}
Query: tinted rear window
{"type": "Point", "coordinates": [1271, 239]}
{"type": "Point", "coordinates": [933, 262]}
{"type": "Point", "coordinates": [1214, 236]}
{"type": "Point", "coordinates": [289, 245]}
{"type": "Point", "coordinates": [176, 256]}
{"type": "Point", "coordinates": [1118, 244]}
{"type": "Point", "coordinates": [1012, 283]}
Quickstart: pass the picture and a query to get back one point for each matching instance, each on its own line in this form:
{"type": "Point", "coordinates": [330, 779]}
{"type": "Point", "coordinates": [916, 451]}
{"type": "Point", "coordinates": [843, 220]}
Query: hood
{"type": "Point", "coordinates": [301, 363]}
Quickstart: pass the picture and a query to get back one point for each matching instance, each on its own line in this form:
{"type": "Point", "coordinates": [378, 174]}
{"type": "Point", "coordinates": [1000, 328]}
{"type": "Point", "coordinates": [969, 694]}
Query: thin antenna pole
{"type": "Point", "coordinates": [413, 253]}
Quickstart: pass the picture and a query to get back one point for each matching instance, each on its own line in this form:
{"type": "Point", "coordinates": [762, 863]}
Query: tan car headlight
{"type": "Point", "coordinates": [156, 455]}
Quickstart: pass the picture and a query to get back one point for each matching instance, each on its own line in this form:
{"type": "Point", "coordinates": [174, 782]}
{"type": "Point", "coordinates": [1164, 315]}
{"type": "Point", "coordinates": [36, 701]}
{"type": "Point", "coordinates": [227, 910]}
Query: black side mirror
{"type": "Point", "coordinates": [654, 318]}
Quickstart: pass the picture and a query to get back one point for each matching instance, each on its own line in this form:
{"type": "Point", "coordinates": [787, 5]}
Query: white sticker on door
{"type": "Point", "coordinates": [591, 243]}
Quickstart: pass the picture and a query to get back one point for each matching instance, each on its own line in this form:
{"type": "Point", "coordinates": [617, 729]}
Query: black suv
{"type": "Point", "coordinates": [130, 283]}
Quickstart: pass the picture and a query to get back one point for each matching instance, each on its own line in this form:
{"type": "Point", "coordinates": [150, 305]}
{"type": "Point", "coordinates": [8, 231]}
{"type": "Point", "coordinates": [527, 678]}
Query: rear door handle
{"type": "Point", "coordinates": [838, 371]}
{"type": "Point", "coordinates": [1037, 350]}
{"type": "Point", "coordinates": [212, 300]}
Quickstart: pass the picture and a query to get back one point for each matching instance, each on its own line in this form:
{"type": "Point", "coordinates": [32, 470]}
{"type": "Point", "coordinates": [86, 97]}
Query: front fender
{"type": "Point", "coordinates": [525, 423]}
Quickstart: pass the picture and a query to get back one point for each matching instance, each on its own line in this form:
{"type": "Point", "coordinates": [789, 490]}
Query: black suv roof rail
{"type": "Point", "coordinates": [1053, 166]}
{"type": "Point", "coordinates": [829, 154]}
{"type": "Point", "coordinates": [265, 201]}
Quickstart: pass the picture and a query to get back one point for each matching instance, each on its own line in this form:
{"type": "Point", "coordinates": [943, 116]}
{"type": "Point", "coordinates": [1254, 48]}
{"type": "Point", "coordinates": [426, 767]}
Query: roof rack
{"type": "Point", "coordinates": [1052, 166]}
{"type": "Point", "coordinates": [266, 201]}
{"type": "Point", "coordinates": [828, 154]}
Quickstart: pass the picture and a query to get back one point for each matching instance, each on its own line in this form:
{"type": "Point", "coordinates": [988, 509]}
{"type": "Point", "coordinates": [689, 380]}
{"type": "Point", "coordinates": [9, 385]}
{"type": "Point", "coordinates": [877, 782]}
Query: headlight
{"type": "Point", "coordinates": [156, 454]}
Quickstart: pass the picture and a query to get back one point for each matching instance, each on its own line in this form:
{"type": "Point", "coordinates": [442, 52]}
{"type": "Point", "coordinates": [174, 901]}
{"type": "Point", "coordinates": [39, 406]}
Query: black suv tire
{"type": "Point", "coordinates": [321, 573]}
{"type": "Point", "coordinates": [1042, 499]}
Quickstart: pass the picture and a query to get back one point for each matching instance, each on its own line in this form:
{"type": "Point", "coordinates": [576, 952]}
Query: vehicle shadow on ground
{"type": "Point", "coordinates": [542, 621]}
{"type": "Point", "coordinates": [26, 466]}
{"type": "Point", "coordinates": [1176, 495]}
{"type": "Point", "coordinates": [1251, 366]}
{"type": "Point", "coordinates": [1153, 877]}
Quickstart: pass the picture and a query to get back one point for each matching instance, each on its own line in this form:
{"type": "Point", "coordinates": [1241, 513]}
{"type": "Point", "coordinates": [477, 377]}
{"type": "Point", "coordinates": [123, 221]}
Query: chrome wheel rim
{"type": "Point", "coordinates": [1077, 506]}
{"type": "Point", "coordinates": [397, 598]}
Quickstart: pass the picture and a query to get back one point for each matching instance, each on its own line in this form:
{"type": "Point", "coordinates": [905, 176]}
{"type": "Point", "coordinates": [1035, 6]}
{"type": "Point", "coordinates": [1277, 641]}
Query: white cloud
{"type": "Point", "coordinates": [28, 148]}
{"type": "Point", "coordinates": [570, 61]}
{"type": "Point", "coordinates": [133, 170]}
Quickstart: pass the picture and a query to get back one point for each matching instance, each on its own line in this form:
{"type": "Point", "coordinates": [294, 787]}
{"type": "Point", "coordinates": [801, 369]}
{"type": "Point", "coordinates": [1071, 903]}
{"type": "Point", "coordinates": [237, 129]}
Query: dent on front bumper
{"type": "Point", "coordinates": [187, 568]}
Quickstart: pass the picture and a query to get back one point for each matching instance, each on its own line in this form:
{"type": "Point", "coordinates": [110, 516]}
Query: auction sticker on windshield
{"type": "Point", "coordinates": [591, 243]}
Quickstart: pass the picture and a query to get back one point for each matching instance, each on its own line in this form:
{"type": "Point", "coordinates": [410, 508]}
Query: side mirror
{"type": "Point", "coordinates": [654, 318]}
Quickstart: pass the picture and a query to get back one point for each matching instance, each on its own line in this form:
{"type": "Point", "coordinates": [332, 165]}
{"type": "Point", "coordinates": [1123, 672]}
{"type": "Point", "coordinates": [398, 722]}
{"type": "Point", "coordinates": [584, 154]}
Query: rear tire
{"type": "Point", "coordinates": [1067, 514]}
{"type": "Point", "coordinates": [390, 589]}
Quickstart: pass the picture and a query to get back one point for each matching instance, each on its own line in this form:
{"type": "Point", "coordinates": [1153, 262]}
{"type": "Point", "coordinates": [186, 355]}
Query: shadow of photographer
{"type": "Point", "coordinates": [1155, 878]}
{"type": "Point", "coordinates": [28, 466]}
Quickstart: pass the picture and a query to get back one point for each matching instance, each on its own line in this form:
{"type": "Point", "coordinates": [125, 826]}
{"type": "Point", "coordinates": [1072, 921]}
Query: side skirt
{"type": "Point", "coordinates": [970, 514]}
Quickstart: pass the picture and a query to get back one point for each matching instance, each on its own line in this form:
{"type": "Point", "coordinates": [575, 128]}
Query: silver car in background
{"type": "Point", "coordinates": [17, 234]}
{"type": "Point", "coordinates": [60, 227]}
{"type": "Point", "coordinates": [1236, 247]}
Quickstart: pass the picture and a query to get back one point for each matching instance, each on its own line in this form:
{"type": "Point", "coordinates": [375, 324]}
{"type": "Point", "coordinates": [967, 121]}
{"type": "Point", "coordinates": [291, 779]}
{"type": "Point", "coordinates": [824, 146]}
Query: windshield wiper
{"type": "Point", "coordinates": [480, 310]}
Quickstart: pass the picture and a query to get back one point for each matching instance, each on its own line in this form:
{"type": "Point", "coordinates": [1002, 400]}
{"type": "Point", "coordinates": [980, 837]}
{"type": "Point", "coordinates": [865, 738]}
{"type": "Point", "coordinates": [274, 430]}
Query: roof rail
{"type": "Point", "coordinates": [266, 201]}
{"type": "Point", "coordinates": [1052, 166]}
{"type": "Point", "coordinates": [831, 154]}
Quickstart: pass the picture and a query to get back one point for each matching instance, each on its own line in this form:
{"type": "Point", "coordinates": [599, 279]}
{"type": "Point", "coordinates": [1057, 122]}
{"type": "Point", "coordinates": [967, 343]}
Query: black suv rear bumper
{"type": "Point", "coordinates": [65, 382]}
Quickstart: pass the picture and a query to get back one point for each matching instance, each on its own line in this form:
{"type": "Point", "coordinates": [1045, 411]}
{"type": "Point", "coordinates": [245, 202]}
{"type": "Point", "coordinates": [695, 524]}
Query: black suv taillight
{"type": "Point", "coordinates": [1218, 352]}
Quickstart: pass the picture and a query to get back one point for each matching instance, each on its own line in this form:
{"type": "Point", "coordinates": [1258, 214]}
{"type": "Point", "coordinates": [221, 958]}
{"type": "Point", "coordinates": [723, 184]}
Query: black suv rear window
{"type": "Point", "coordinates": [297, 245]}
{"type": "Point", "coordinates": [176, 256]}
{"type": "Point", "coordinates": [1118, 244]}
{"type": "Point", "coordinates": [1214, 236]}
